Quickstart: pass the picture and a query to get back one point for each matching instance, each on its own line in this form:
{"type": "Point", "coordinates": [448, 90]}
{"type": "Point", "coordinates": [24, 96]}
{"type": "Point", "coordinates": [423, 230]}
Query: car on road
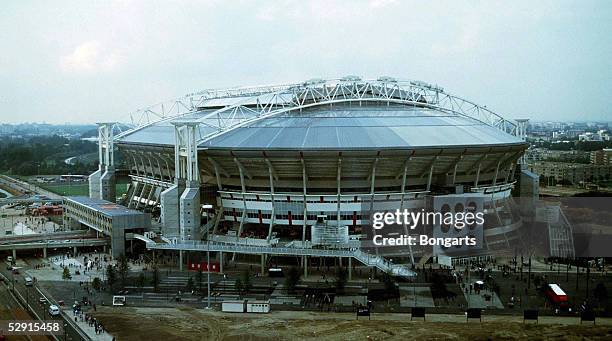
{"type": "Point", "coordinates": [42, 300]}
{"type": "Point", "coordinates": [28, 281]}
{"type": "Point", "coordinates": [54, 310]}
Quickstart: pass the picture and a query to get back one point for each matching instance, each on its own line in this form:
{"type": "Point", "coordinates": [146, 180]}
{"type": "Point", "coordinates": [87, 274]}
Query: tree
{"type": "Point", "coordinates": [341, 278]}
{"type": "Point", "coordinates": [66, 274]}
{"type": "Point", "coordinates": [246, 280]}
{"type": "Point", "coordinates": [190, 284]}
{"type": "Point", "coordinates": [111, 276]}
{"type": "Point", "coordinates": [292, 279]}
{"type": "Point", "coordinates": [96, 283]}
{"type": "Point", "coordinates": [123, 269]}
{"type": "Point", "coordinates": [155, 279]}
{"type": "Point", "coordinates": [140, 281]}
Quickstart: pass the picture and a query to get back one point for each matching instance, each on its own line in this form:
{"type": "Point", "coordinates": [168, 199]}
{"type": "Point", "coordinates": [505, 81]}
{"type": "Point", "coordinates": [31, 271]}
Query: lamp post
{"type": "Point", "coordinates": [208, 269]}
{"type": "Point", "coordinates": [208, 206]}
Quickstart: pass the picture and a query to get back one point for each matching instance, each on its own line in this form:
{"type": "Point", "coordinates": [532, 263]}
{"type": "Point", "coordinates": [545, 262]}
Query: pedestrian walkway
{"type": "Point", "coordinates": [90, 331]}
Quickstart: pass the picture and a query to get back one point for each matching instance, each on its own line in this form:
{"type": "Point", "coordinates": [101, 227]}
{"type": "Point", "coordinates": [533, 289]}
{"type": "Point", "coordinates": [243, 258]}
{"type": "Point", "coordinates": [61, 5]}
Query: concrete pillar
{"type": "Point", "coordinates": [305, 267]}
{"type": "Point", "coordinates": [181, 260]}
{"type": "Point", "coordinates": [94, 184]}
{"type": "Point", "coordinates": [44, 252]}
{"type": "Point", "coordinates": [170, 211]}
{"type": "Point", "coordinates": [189, 212]}
{"type": "Point", "coordinates": [74, 251]}
{"type": "Point", "coordinates": [107, 186]}
{"type": "Point", "coordinates": [106, 170]}
{"type": "Point", "coordinates": [103, 248]}
{"type": "Point", "coordinates": [350, 268]}
{"type": "Point", "coordinates": [340, 261]}
{"type": "Point", "coordinates": [14, 255]}
{"type": "Point", "coordinates": [221, 261]}
{"type": "Point", "coordinates": [263, 260]}
{"type": "Point", "coordinates": [187, 170]}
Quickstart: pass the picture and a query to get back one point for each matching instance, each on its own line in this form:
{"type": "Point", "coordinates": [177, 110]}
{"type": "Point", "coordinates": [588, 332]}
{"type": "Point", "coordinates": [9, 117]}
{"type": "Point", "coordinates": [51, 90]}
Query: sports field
{"type": "Point", "coordinates": [77, 189]}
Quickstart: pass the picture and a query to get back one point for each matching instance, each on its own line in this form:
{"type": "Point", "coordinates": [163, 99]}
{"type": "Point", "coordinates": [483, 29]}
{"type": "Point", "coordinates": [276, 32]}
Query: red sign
{"type": "Point", "coordinates": [193, 266]}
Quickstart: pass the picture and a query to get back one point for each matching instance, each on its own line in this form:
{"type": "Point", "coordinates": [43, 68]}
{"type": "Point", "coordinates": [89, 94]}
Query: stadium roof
{"type": "Point", "coordinates": [332, 114]}
{"type": "Point", "coordinates": [342, 127]}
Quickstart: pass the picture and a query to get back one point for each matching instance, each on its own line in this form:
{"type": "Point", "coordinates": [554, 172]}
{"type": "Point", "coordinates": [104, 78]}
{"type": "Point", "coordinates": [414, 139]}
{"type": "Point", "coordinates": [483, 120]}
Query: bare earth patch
{"type": "Point", "coordinates": [194, 324]}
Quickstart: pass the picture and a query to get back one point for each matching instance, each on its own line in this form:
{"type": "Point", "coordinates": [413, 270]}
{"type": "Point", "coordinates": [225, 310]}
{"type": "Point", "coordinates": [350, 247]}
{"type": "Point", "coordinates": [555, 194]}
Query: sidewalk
{"type": "Point", "coordinates": [90, 331]}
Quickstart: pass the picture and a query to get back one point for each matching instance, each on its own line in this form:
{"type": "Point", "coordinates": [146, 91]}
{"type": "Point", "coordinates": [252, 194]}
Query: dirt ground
{"type": "Point", "coordinates": [193, 324]}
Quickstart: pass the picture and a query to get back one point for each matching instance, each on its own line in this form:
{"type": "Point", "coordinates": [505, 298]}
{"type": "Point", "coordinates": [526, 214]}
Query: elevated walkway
{"type": "Point", "coordinates": [367, 259]}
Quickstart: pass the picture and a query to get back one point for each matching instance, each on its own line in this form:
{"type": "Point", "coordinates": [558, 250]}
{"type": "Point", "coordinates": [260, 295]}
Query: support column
{"type": "Point", "coordinates": [169, 211]}
{"type": "Point", "coordinates": [186, 168]}
{"type": "Point", "coordinates": [305, 218]}
{"type": "Point", "coordinates": [496, 173]}
{"type": "Point", "coordinates": [273, 214]}
{"type": "Point", "coordinates": [305, 260]}
{"type": "Point", "coordinates": [74, 251]}
{"type": "Point", "coordinates": [221, 261]}
{"type": "Point", "coordinates": [403, 190]}
{"type": "Point", "coordinates": [181, 260]}
{"type": "Point", "coordinates": [263, 259]}
{"type": "Point", "coordinates": [338, 191]}
{"type": "Point", "coordinates": [14, 255]}
{"type": "Point", "coordinates": [373, 183]}
{"type": "Point", "coordinates": [429, 177]}
{"type": "Point", "coordinates": [350, 268]}
{"type": "Point", "coordinates": [477, 175]}
{"type": "Point", "coordinates": [94, 184]}
{"type": "Point", "coordinates": [142, 192]}
{"type": "Point", "coordinates": [44, 252]}
{"type": "Point", "coordinates": [106, 171]}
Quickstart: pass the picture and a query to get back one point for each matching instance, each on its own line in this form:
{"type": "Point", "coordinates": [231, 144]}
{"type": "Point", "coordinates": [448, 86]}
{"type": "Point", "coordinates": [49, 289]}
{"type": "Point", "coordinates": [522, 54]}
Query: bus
{"type": "Point", "coordinates": [557, 296]}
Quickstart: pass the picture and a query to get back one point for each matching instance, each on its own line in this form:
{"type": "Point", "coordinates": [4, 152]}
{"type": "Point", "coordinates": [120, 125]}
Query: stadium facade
{"type": "Point", "coordinates": [264, 165]}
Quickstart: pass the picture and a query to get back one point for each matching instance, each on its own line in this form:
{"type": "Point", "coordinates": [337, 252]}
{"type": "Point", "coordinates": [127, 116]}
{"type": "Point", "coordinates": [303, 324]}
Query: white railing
{"type": "Point", "coordinates": [365, 258]}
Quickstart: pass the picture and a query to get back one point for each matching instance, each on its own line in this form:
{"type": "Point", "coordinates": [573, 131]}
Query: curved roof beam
{"type": "Point", "coordinates": [267, 101]}
{"type": "Point", "coordinates": [310, 105]}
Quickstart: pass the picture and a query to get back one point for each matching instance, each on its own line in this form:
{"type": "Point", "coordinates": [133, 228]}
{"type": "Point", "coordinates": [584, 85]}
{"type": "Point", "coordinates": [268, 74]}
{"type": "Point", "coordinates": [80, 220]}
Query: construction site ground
{"type": "Point", "coordinates": [129, 323]}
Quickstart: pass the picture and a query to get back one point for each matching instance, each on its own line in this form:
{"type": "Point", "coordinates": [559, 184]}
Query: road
{"type": "Point", "coordinates": [30, 295]}
{"type": "Point", "coordinates": [25, 187]}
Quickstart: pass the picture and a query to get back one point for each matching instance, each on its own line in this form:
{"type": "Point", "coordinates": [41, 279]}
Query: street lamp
{"type": "Point", "coordinates": [208, 206]}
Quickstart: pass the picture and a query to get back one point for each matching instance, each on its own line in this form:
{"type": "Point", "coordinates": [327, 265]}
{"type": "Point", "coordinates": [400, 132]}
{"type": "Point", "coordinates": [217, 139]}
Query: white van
{"type": "Point", "coordinates": [54, 310]}
{"type": "Point", "coordinates": [119, 300]}
{"type": "Point", "coordinates": [28, 281]}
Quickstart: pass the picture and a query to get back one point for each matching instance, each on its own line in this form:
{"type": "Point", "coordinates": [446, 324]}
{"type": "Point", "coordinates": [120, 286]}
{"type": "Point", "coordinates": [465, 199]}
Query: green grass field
{"type": "Point", "coordinates": [78, 189]}
{"type": "Point", "coordinates": [68, 190]}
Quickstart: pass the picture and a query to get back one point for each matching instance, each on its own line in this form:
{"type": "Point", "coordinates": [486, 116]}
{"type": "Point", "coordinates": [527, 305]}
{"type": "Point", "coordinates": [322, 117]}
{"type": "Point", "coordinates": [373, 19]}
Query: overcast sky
{"type": "Point", "coordinates": [86, 61]}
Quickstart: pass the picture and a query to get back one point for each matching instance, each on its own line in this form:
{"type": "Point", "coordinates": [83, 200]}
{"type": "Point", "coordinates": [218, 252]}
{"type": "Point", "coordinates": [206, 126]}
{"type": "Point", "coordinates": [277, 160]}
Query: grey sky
{"type": "Point", "coordinates": [92, 61]}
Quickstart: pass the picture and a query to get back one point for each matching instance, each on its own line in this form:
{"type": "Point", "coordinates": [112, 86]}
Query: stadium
{"type": "Point", "coordinates": [296, 166]}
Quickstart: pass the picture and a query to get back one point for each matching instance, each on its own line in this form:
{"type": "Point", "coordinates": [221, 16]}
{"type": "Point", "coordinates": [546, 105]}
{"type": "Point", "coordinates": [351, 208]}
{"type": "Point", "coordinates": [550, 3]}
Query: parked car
{"type": "Point", "coordinates": [54, 310]}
